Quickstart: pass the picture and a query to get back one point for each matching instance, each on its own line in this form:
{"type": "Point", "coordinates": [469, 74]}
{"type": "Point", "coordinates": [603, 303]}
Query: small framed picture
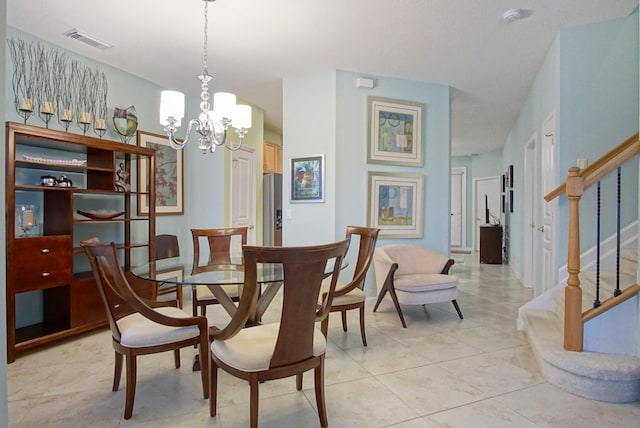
{"type": "Point", "coordinates": [395, 132]}
{"type": "Point", "coordinates": [307, 179]}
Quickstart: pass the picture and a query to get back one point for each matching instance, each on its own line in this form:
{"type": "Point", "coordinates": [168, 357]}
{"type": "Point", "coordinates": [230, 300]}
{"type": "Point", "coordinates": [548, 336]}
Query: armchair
{"type": "Point", "coordinates": [414, 275]}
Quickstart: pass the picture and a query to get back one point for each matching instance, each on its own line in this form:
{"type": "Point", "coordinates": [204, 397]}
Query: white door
{"type": "Point", "coordinates": [486, 194]}
{"type": "Point", "coordinates": [243, 191]}
{"type": "Point", "coordinates": [549, 182]}
{"type": "Point", "coordinates": [531, 201]}
{"type": "Point", "coordinates": [458, 207]}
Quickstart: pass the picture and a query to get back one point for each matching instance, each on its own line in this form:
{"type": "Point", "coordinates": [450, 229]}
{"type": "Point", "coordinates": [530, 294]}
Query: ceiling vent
{"type": "Point", "coordinates": [85, 38]}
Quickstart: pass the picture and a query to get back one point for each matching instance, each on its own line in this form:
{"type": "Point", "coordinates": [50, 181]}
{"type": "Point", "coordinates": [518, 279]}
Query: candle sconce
{"type": "Point", "coordinates": [100, 126]}
{"type": "Point", "coordinates": [46, 112]}
{"type": "Point", "coordinates": [27, 217]}
{"type": "Point", "coordinates": [24, 107]}
{"type": "Point", "coordinates": [84, 121]}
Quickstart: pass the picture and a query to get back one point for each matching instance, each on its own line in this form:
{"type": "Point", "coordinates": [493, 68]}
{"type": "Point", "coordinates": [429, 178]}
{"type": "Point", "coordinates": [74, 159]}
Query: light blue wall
{"type": "Point", "coordinates": [593, 69]}
{"type": "Point", "coordinates": [599, 110]}
{"type": "Point", "coordinates": [542, 100]}
{"type": "Point", "coordinates": [309, 124]}
{"type": "Point", "coordinates": [327, 113]}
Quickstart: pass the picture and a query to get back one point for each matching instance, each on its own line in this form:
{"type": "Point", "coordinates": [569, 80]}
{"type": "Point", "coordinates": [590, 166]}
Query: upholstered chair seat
{"type": "Point", "coordinates": [252, 348]}
{"type": "Point", "coordinates": [352, 297]}
{"type": "Point", "coordinates": [136, 331]}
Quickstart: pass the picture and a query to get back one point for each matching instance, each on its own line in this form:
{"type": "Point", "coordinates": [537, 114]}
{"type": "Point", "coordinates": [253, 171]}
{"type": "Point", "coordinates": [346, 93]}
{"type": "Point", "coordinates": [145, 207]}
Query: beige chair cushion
{"type": "Point", "coordinates": [354, 296]}
{"type": "Point", "coordinates": [136, 331]}
{"type": "Point", "coordinates": [417, 283]}
{"type": "Point", "coordinates": [252, 348]}
{"type": "Point", "coordinates": [204, 293]}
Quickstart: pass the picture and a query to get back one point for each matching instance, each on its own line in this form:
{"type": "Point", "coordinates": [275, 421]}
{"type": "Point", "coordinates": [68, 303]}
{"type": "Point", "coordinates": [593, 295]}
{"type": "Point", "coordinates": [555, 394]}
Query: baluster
{"type": "Point", "coordinates": [617, 291]}
{"type": "Point", "coordinates": [596, 302]}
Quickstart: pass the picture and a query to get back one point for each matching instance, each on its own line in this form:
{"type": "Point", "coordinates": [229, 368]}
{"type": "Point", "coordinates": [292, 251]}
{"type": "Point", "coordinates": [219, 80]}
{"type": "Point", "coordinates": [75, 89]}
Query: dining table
{"type": "Point", "coordinates": [185, 272]}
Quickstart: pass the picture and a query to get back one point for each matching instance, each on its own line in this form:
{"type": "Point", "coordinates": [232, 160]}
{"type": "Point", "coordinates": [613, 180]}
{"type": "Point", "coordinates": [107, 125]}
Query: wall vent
{"type": "Point", "coordinates": [85, 38]}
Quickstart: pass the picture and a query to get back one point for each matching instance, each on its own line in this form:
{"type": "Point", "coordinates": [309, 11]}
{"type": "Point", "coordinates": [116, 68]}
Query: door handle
{"type": "Point", "coordinates": [541, 228]}
{"type": "Point", "coordinates": [251, 227]}
{"type": "Point", "coordinates": [532, 225]}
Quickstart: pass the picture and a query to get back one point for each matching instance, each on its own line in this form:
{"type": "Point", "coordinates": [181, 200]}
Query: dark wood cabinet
{"type": "Point", "coordinates": [491, 244]}
{"type": "Point", "coordinates": [51, 293]}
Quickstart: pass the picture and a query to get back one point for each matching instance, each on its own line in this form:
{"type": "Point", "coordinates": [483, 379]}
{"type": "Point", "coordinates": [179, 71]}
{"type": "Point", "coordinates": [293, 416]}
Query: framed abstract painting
{"type": "Point", "coordinates": [395, 132]}
{"type": "Point", "coordinates": [396, 204]}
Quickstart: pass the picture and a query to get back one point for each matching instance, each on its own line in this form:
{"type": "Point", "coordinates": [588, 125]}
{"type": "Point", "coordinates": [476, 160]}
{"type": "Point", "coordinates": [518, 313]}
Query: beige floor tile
{"type": "Point", "coordinates": [483, 414]}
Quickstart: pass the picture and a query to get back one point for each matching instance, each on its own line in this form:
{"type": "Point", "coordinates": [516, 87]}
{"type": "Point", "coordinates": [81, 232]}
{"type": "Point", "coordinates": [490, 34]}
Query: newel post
{"type": "Point", "coordinates": [573, 326]}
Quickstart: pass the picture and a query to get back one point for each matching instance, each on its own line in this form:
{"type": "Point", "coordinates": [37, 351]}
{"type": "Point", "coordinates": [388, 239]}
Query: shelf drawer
{"type": "Point", "coordinates": [42, 262]}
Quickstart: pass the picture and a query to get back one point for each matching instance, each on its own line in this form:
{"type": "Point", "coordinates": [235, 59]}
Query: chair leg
{"type": "Point", "coordinates": [213, 389]}
{"type": "Point", "coordinates": [324, 326]}
{"type": "Point", "coordinates": [204, 364]}
{"type": "Point", "coordinates": [319, 384]}
{"type": "Point", "coordinates": [344, 320]}
{"type": "Point", "coordinates": [455, 305]}
{"type": "Point", "coordinates": [117, 372]}
{"type": "Point", "coordinates": [253, 412]}
{"type": "Point", "coordinates": [179, 295]}
{"type": "Point", "coordinates": [299, 381]}
{"type": "Point", "coordinates": [381, 295]}
{"type": "Point", "coordinates": [176, 358]}
{"type": "Point", "coordinates": [131, 385]}
{"type": "Point", "coordinates": [362, 333]}
{"type": "Point", "coordinates": [194, 302]}
{"type": "Point", "coordinates": [394, 298]}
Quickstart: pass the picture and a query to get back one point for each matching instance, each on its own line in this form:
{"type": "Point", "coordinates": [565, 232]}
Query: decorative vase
{"type": "Point", "coordinates": [125, 122]}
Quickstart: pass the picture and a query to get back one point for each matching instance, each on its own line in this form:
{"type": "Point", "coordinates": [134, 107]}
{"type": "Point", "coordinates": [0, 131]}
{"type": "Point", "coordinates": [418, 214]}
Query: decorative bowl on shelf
{"type": "Point", "coordinates": [101, 214]}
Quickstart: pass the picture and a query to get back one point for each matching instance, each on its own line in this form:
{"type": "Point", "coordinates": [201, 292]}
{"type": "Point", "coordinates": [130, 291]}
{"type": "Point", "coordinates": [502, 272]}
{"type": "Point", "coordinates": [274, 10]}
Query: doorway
{"type": "Point", "coordinates": [531, 237]}
{"type": "Point", "coordinates": [486, 195]}
{"type": "Point", "coordinates": [549, 174]}
{"type": "Point", "coordinates": [459, 207]}
{"type": "Point", "coordinates": [243, 191]}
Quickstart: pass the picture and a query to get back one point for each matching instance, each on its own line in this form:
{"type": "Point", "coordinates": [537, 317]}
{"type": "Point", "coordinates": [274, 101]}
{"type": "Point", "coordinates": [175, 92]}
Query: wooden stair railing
{"type": "Point", "coordinates": [577, 182]}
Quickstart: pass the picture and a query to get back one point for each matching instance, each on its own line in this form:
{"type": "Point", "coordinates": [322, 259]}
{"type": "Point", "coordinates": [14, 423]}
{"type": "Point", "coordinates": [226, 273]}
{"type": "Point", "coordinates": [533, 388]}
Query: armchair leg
{"type": "Point", "coordinates": [176, 358]}
{"type": "Point", "coordinates": [344, 320]}
{"type": "Point", "coordinates": [319, 384]}
{"type": "Point", "coordinates": [253, 406]}
{"type": "Point", "coordinates": [388, 287]}
{"type": "Point", "coordinates": [455, 305]}
{"type": "Point", "coordinates": [213, 389]}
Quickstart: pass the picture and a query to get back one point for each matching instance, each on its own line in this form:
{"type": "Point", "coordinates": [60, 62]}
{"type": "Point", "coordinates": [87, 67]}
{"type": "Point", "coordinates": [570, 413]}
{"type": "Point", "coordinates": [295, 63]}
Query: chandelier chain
{"type": "Point", "coordinates": [206, 38]}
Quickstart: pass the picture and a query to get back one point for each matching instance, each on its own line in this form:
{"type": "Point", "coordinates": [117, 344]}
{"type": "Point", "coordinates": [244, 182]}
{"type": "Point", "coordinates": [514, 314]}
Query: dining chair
{"type": "Point", "coordinates": [220, 246]}
{"type": "Point", "coordinates": [351, 295]}
{"type": "Point", "coordinates": [167, 247]}
{"type": "Point", "coordinates": [285, 348]}
{"type": "Point", "coordinates": [140, 327]}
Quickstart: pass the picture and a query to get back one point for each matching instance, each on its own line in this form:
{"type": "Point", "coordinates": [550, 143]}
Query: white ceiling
{"type": "Point", "coordinates": [253, 44]}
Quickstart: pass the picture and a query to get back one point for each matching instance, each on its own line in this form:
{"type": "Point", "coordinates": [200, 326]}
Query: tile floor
{"type": "Point", "coordinates": [439, 372]}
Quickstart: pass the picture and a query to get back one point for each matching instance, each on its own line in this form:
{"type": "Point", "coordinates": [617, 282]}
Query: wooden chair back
{"type": "Point", "coordinates": [304, 269]}
{"type": "Point", "coordinates": [117, 295]}
{"type": "Point", "coordinates": [368, 239]}
{"type": "Point", "coordinates": [219, 243]}
{"type": "Point", "coordinates": [167, 246]}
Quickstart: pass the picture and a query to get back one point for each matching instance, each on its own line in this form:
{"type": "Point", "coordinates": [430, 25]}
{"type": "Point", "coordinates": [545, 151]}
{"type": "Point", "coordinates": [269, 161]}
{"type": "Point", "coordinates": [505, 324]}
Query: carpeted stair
{"type": "Point", "coordinates": [597, 376]}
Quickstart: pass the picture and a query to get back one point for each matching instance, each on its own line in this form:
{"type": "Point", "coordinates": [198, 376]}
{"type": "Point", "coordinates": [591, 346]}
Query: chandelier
{"type": "Point", "coordinates": [211, 124]}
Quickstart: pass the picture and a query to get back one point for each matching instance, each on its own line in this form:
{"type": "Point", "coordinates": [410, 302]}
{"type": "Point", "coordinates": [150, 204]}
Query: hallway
{"type": "Point", "coordinates": [439, 372]}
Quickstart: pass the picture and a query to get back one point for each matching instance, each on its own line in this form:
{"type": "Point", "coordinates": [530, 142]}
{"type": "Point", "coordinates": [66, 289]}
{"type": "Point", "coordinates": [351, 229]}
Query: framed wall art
{"type": "Point", "coordinates": [307, 179]}
{"type": "Point", "coordinates": [396, 204]}
{"type": "Point", "coordinates": [395, 132]}
{"type": "Point", "coordinates": [169, 176]}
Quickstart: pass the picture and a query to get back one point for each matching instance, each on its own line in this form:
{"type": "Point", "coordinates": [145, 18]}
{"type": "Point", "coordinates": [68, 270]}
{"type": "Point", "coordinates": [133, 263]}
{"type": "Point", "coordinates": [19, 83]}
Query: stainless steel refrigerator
{"type": "Point", "coordinates": [272, 209]}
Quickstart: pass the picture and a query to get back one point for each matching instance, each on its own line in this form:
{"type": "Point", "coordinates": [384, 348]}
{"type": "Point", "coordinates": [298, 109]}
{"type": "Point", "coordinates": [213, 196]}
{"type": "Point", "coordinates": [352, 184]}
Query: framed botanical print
{"type": "Point", "coordinates": [169, 176]}
{"type": "Point", "coordinates": [395, 132]}
{"type": "Point", "coordinates": [396, 204]}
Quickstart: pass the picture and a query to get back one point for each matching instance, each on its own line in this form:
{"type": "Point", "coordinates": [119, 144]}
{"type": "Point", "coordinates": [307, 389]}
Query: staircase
{"type": "Point", "coordinates": [594, 375]}
{"type": "Point", "coordinates": [585, 348]}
